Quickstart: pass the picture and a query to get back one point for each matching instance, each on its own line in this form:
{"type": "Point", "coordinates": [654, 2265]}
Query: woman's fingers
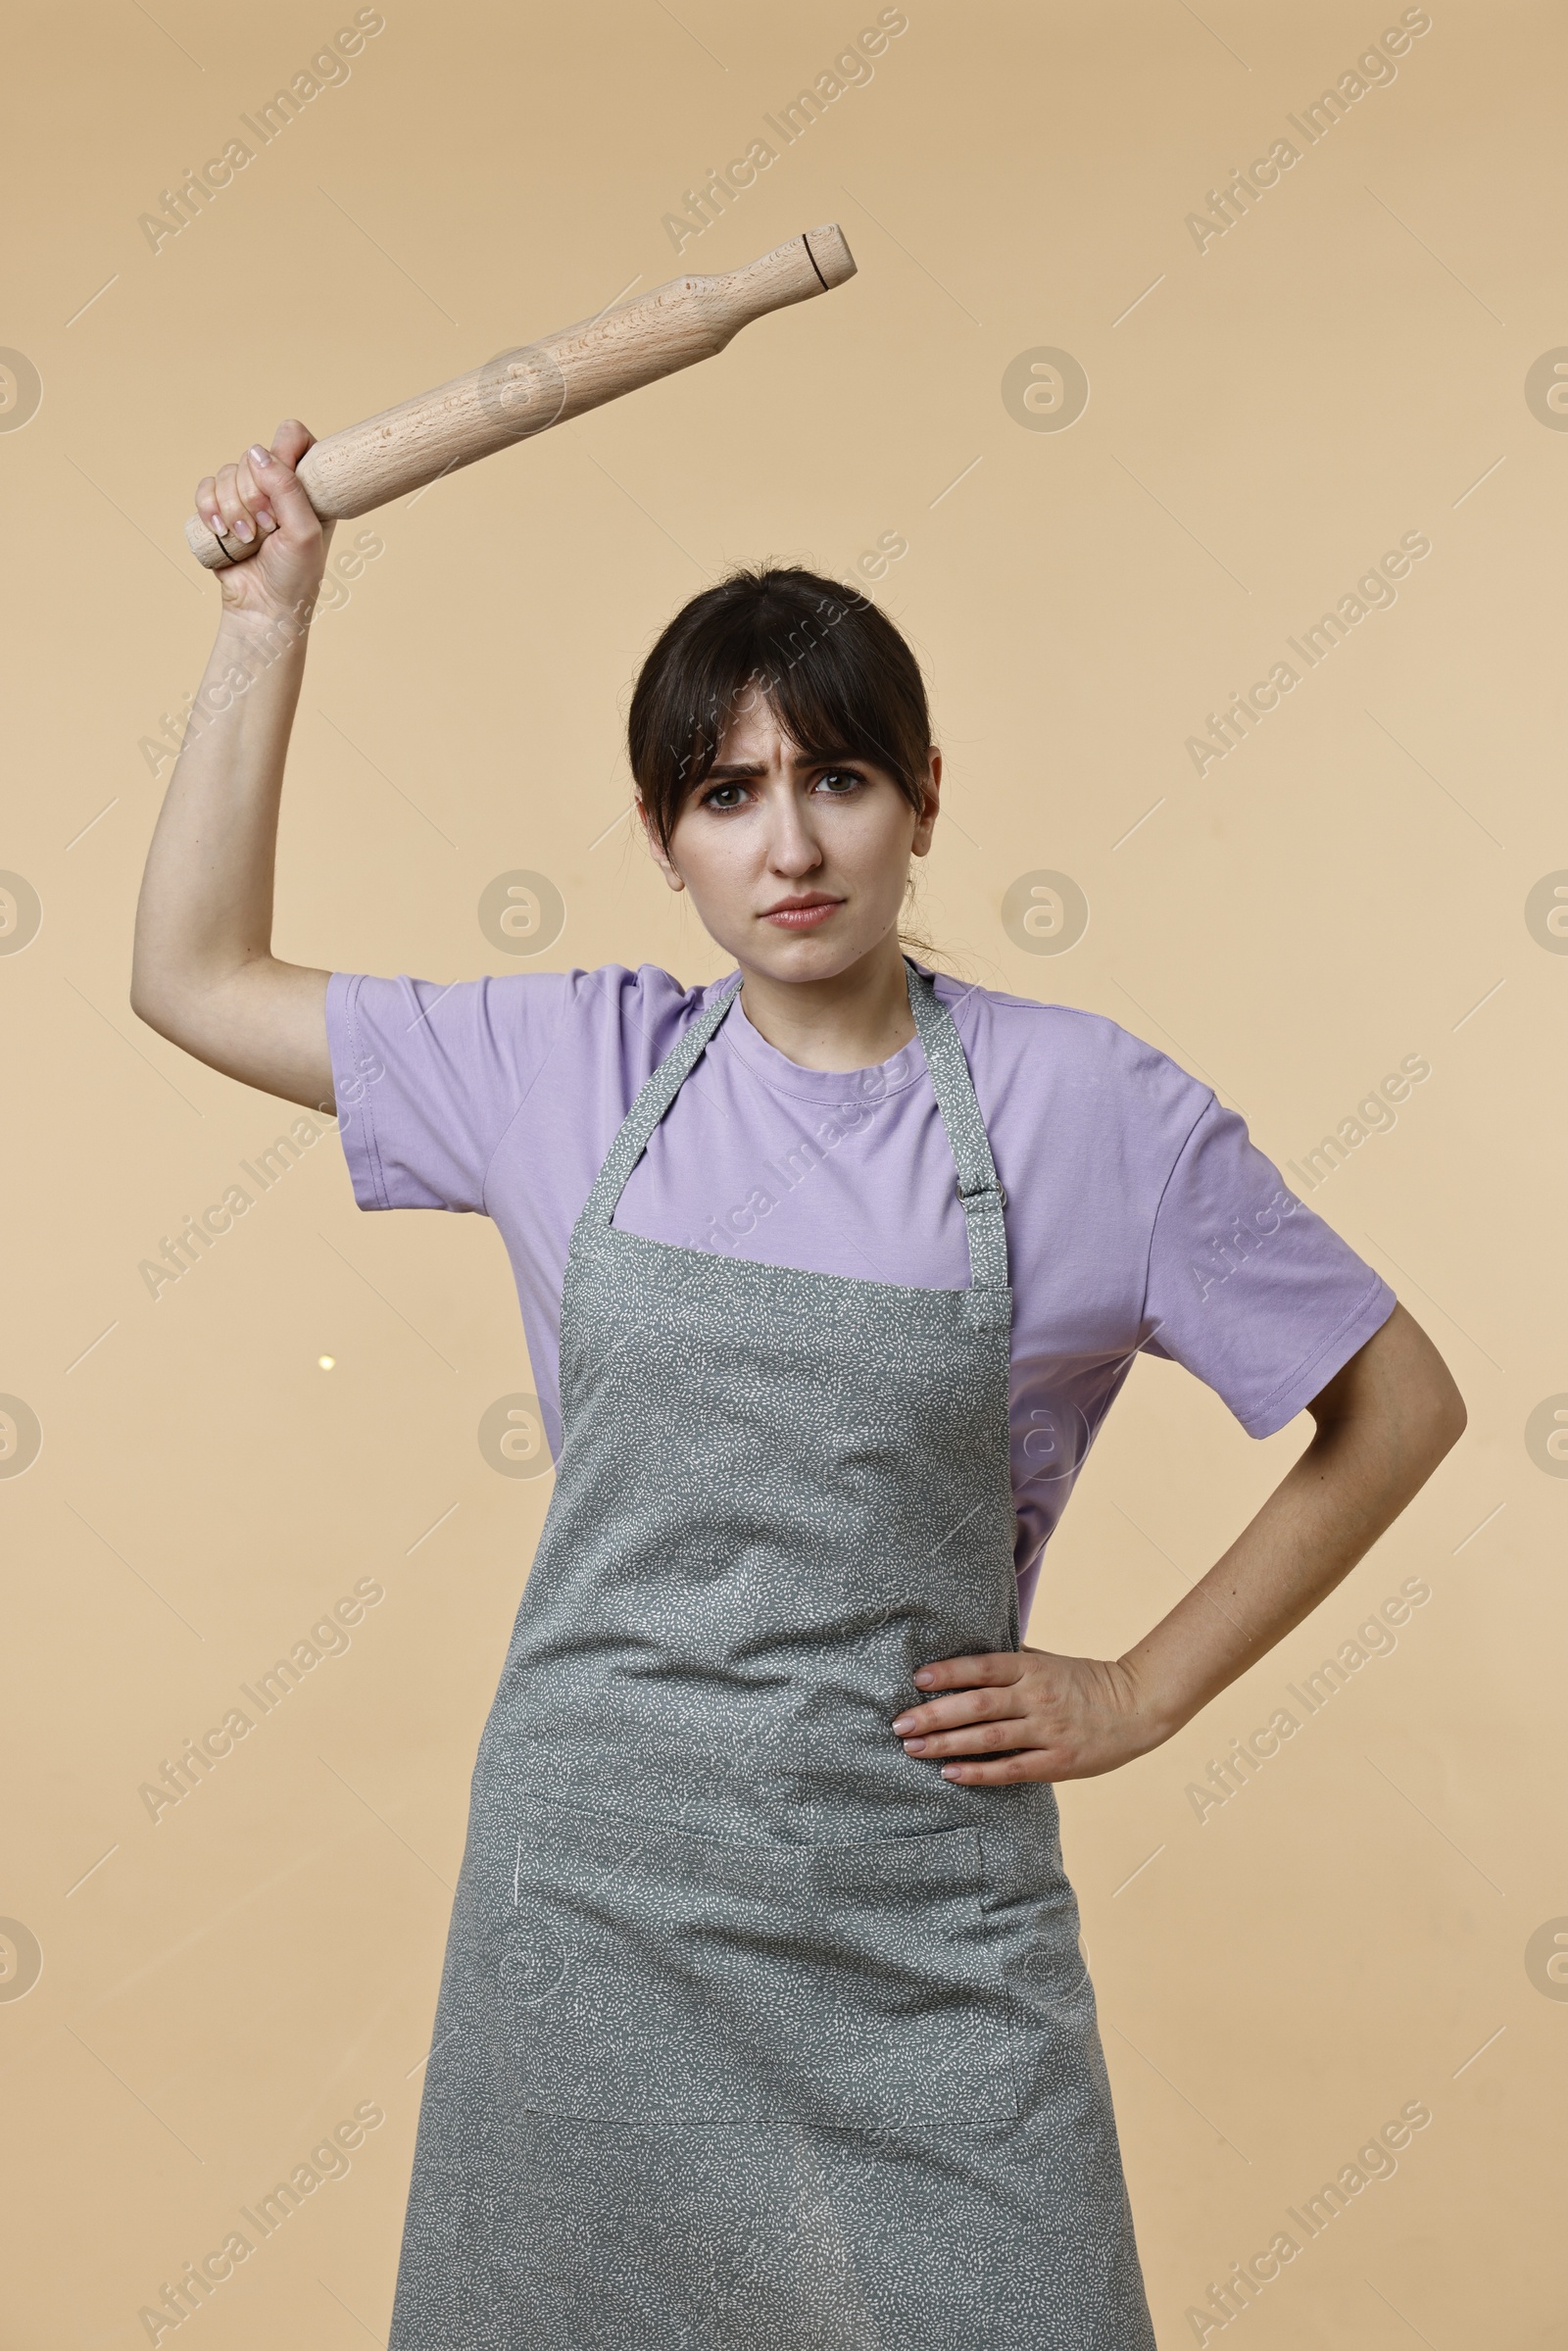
{"type": "Point", "coordinates": [231, 505]}
{"type": "Point", "coordinates": [987, 1727]}
{"type": "Point", "coordinates": [277, 483]}
{"type": "Point", "coordinates": [963, 1707]}
{"type": "Point", "coordinates": [975, 1738]}
{"type": "Point", "coordinates": [253, 484]}
{"type": "Point", "coordinates": [249, 500]}
{"type": "Point", "coordinates": [235, 521]}
{"type": "Point", "coordinates": [965, 1673]}
{"type": "Point", "coordinates": [978, 1687]}
{"type": "Point", "coordinates": [1024, 1715]}
{"type": "Point", "coordinates": [1032, 1764]}
{"type": "Point", "coordinates": [291, 440]}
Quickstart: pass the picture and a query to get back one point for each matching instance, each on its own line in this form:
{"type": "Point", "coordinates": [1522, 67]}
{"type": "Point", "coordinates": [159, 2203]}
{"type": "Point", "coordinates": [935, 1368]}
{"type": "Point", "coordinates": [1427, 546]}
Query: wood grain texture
{"type": "Point", "coordinates": [526, 390]}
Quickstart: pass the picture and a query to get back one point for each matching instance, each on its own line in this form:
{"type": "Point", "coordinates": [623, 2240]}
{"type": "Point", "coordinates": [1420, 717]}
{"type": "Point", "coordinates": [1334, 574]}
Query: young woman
{"type": "Point", "coordinates": [764, 2019]}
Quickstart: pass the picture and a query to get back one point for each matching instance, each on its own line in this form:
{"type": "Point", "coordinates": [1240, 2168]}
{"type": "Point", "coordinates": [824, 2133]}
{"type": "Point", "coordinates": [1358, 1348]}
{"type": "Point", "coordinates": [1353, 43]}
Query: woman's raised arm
{"type": "Point", "coordinates": [203, 971]}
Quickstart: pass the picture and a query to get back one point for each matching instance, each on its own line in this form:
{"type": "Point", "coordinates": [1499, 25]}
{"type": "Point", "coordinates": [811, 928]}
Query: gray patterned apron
{"type": "Point", "coordinates": [752, 2030]}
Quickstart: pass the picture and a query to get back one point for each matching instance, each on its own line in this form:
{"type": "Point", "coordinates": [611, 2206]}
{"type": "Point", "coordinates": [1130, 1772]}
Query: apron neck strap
{"type": "Point", "coordinates": [651, 1106]}
{"type": "Point", "coordinates": [979, 1193]}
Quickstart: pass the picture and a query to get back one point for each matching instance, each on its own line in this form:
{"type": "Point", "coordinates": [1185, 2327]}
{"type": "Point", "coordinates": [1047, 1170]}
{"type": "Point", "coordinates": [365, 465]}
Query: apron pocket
{"type": "Point", "coordinates": [640, 1974]}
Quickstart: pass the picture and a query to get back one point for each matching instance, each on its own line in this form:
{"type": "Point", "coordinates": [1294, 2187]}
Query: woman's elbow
{"type": "Point", "coordinates": [1430, 1420]}
{"type": "Point", "coordinates": [152, 1007]}
{"type": "Point", "coordinates": [1449, 1418]}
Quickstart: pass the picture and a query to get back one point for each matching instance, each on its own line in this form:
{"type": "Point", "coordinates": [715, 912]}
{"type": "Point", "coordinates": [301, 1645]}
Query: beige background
{"type": "Point", "coordinates": [1353, 1931]}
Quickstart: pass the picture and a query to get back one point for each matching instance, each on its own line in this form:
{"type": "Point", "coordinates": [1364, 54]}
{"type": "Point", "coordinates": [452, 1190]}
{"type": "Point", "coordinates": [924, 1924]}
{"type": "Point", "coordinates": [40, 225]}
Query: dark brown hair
{"type": "Point", "coordinates": [839, 676]}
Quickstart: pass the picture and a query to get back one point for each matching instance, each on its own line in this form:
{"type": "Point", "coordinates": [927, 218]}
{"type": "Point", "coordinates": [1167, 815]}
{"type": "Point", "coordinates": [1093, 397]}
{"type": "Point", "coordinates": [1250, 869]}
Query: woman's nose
{"type": "Point", "coordinates": [790, 848]}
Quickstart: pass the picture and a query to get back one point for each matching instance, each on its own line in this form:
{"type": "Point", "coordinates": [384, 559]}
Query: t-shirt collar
{"type": "Point", "coordinates": [782, 1076]}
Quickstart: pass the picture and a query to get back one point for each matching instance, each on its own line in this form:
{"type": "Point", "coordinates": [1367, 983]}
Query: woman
{"type": "Point", "coordinates": [762, 2017]}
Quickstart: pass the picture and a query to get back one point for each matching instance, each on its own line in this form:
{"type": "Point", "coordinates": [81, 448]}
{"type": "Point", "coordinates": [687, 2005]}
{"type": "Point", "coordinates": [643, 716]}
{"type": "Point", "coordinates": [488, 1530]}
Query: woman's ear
{"type": "Point", "coordinates": [925, 822]}
{"type": "Point", "coordinates": [656, 848]}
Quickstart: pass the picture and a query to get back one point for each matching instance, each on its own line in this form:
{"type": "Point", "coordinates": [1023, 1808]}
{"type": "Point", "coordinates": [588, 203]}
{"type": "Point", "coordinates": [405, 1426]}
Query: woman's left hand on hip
{"type": "Point", "coordinates": [1025, 1714]}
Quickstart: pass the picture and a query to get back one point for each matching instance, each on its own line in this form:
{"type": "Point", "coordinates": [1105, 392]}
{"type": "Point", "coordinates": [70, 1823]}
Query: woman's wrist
{"type": "Point", "coordinates": [248, 648]}
{"type": "Point", "coordinates": [241, 629]}
{"type": "Point", "coordinates": [1162, 1696]}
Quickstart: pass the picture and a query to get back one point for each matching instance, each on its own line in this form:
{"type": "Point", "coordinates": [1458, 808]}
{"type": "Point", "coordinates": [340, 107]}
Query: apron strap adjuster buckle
{"type": "Point", "coordinates": [983, 1197]}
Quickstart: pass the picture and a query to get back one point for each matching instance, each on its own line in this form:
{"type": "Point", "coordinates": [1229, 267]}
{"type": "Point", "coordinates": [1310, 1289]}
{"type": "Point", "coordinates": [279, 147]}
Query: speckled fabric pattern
{"type": "Point", "coordinates": [753, 2029]}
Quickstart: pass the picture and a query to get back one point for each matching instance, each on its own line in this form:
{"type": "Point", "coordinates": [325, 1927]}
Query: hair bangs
{"type": "Point", "coordinates": [837, 674]}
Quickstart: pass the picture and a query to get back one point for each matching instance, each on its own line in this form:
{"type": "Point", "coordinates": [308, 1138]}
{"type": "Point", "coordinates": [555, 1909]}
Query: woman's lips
{"type": "Point", "coordinates": [803, 918]}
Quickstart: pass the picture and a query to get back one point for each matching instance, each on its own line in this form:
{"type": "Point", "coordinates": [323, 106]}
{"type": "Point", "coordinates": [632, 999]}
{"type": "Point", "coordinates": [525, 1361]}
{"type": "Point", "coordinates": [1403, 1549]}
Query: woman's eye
{"type": "Point", "coordinates": [837, 783]}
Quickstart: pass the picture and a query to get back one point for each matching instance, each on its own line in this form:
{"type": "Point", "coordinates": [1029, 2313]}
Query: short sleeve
{"type": "Point", "coordinates": [1247, 1287]}
{"type": "Point", "coordinates": [428, 1077]}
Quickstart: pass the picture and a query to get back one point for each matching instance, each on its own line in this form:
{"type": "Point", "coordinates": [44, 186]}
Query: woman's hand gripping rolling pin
{"type": "Point", "coordinates": [261, 499]}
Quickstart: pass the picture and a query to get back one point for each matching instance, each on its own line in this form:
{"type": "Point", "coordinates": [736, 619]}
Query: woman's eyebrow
{"type": "Point", "coordinates": [733, 769]}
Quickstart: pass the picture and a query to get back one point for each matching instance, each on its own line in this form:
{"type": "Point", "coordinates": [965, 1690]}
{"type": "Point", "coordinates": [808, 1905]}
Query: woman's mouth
{"type": "Point", "coordinates": [801, 914]}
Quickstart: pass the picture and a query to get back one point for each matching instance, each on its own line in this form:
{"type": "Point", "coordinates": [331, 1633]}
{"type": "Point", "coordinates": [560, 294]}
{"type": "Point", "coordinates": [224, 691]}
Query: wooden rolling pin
{"type": "Point", "coordinates": [523, 392]}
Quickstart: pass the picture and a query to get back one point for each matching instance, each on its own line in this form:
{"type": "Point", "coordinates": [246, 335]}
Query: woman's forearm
{"type": "Point", "coordinates": [1384, 1423]}
{"type": "Point", "coordinates": [205, 904]}
{"type": "Point", "coordinates": [203, 972]}
{"type": "Point", "coordinates": [1383, 1427]}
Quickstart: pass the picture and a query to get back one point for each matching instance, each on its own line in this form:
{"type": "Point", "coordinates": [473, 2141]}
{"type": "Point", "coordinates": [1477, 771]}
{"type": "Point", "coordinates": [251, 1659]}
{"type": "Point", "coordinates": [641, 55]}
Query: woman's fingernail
{"type": "Point", "coordinates": [950, 1771]}
{"type": "Point", "coordinates": [914, 1746]}
{"type": "Point", "coordinates": [244, 528]}
{"type": "Point", "coordinates": [257, 455]}
{"type": "Point", "coordinates": [266, 522]}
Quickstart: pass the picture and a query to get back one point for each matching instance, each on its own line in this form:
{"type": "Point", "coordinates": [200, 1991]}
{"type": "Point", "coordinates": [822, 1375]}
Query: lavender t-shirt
{"type": "Point", "coordinates": [1139, 1215]}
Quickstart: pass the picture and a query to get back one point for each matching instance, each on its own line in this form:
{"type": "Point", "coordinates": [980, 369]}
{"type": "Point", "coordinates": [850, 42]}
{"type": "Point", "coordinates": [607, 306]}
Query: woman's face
{"type": "Point", "coordinates": [796, 867]}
